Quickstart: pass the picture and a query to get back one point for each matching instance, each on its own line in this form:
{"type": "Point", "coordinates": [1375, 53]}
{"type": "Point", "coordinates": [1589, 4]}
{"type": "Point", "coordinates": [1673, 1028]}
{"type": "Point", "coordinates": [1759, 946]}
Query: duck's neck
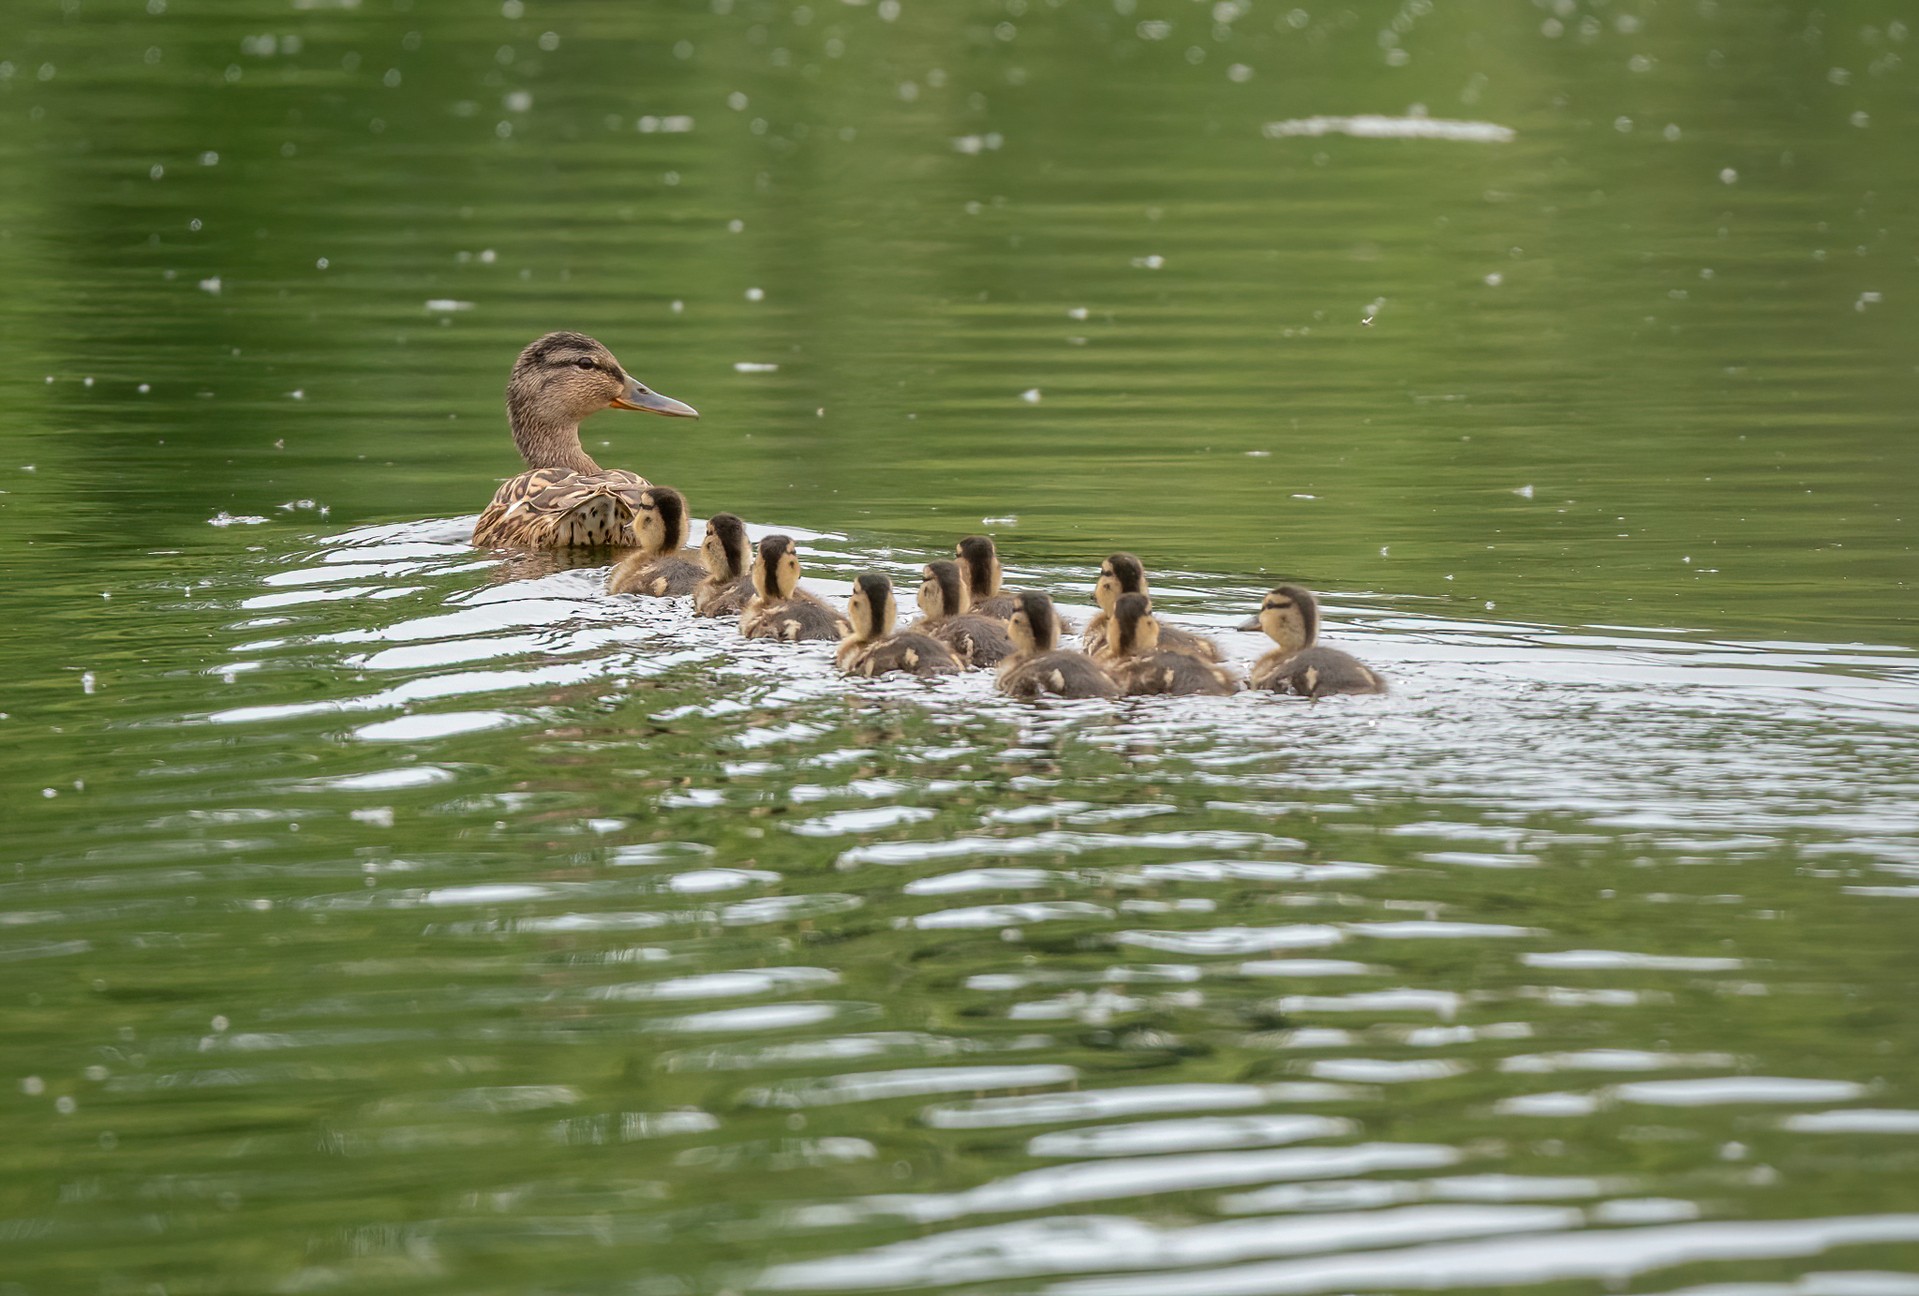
{"type": "Point", "coordinates": [544, 443]}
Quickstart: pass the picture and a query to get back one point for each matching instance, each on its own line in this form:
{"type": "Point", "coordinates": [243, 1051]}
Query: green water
{"type": "Point", "coordinates": [378, 918]}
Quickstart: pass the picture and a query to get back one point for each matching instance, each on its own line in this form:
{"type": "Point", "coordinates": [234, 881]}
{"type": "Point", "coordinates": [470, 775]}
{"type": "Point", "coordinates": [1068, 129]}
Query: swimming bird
{"type": "Point", "coordinates": [1039, 665]}
{"type": "Point", "coordinates": [564, 499]}
{"type": "Point", "coordinates": [780, 609]}
{"type": "Point", "coordinates": [1139, 665]}
{"type": "Point", "coordinates": [1122, 573]}
{"type": "Point", "coordinates": [979, 560]}
{"type": "Point", "coordinates": [872, 647]}
{"type": "Point", "coordinates": [1290, 617]}
{"type": "Point", "coordinates": [661, 567]}
{"type": "Point", "coordinates": [726, 553]}
{"type": "Point", "coordinates": [976, 640]}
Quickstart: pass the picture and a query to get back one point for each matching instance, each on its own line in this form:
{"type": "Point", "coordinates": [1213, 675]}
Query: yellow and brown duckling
{"type": "Point", "coordinates": [780, 609]}
{"type": "Point", "coordinates": [872, 647]}
{"type": "Point", "coordinates": [979, 563]}
{"type": "Point", "coordinates": [564, 499]}
{"type": "Point", "coordinates": [1039, 666]}
{"type": "Point", "coordinates": [944, 606]}
{"type": "Point", "coordinates": [1290, 617]}
{"type": "Point", "coordinates": [661, 568]}
{"type": "Point", "coordinates": [1140, 666]}
{"type": "Point", "coordinates": [726, 553]}
{"type": "Point", "coordinates": [1120, 574]}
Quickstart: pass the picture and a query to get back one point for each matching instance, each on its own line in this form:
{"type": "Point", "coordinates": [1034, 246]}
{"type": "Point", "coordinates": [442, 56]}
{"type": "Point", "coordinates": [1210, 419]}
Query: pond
{"type": "Point", "coordinates": [380, 915]}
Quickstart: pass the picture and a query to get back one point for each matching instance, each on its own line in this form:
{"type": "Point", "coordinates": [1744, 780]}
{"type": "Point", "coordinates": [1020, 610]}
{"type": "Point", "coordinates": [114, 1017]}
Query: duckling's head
{"type": "Point", "coordinates": [724, 549]}
{"type": "Point", "coordinates": [564, 377]}
{"type": "Point", "coordinates": [1289, 616]}
{"type": "Point", "coordinates": [980, 561]}
{"type": "Point", "coordinates": [871, 610]}
{"type": "Point", "coordinates": [776, 572]}
{"type": "Point", "coordinates": [1121, 573]}
{"type": "Point", "coordinates": [942, 590]}
{"type": "Point", "coordinates": [1034, 626]}
{"type": "Point", "coordinates": [661, 520]}
{"type": "Point", "coordinates": [1134, 628]}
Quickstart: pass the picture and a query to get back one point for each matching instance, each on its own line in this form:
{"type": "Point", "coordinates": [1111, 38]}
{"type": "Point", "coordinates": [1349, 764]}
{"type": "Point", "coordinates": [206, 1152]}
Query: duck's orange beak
{"type": "Point", "coordinates": [638, 396]}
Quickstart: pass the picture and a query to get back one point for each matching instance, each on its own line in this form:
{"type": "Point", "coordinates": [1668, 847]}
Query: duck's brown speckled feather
{"type": "Point", "coordinates": [555, 508]}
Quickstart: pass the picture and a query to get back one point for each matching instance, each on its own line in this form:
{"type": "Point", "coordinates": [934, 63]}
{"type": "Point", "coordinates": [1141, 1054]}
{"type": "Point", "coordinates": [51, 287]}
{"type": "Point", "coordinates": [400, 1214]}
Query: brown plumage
{"type": "Point", "coordinates": [1140, 666]}
{"type": "Point", "coordinates": [976, 640]}
{"type": "Point", "coordinates": [1290, 617]}
{"type": "Point", "coordinates": [727, 588]}
{"type": "Point", "coordinates": [871, 647]}
{"type": "Point", "coordinates": [979, 562]}
{"type": "Point", "coordinates": [1122, 573]}
{"type": "Point", "coordinates": [661, 567]}
{"type": "Point", "coordinates": [780, 609]}
{"type": "Point", "coordinates": [564, 499]}
{"type": "Point", "coordinates": [1040, 666]}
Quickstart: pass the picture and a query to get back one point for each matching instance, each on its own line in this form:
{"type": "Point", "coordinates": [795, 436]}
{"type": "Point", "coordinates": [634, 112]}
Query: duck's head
{"type": "Point", "coordinates": [1121, 573]}
{"type": "Point", "coordinates": [942, 590]}
{"type": "Point", "coordinates": [724, 549]}
{"type": "Point", "coordinates": [564, 377]}
{"type": "Point", "coordinates": [776, 570]}
{"type": "Point", "coordinates": [1134, 628]}
{"type": "Point", "coordinates": [1289, 616]}
{"type": "Point", "coordinates": [980, 561]}
{"type": "Point", "coordinates": [1034, 626]}
{"type": "Point", "coordinates": [661, 520]}
{"type": "Point", "coordinates": [871, 611]}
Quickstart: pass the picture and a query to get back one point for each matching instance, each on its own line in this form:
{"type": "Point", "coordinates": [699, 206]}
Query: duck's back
{"type": "Point", "coordinates": [792, 619]}
{"type": "Point", "coordinates": [716, 598]}
{"type": "Point", "coordinates": [657, 575]}
{"type": "Point", "coordinates": [1060, 673]}
{"type": "Point", "coordinates": [975, 640]}
{"type": "Point", "coordinates": [559, 508]}
{"type": "Point", "coordinates": [1316, 672]}
{"type": "Point", "coordinates": [908, 652]}
{"type": "Point", "coordinates": [1171, 673]}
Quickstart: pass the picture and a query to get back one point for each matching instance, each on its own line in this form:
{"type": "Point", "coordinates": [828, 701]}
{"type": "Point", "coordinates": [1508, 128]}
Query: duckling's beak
{"type": "Point", "coordinates": [638, 396]}
{"type": "Point", "coordinates": [1250, 623]}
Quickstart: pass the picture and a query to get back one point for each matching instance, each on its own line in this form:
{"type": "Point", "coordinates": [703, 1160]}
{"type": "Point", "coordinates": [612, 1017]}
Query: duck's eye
{"type": "Point", "coordinates": [585, 363]}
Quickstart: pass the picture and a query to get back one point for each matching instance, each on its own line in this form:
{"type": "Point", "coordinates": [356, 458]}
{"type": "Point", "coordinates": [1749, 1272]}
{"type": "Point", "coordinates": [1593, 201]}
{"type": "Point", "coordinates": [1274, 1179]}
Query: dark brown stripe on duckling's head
{"type": "Point", "coordinates": [725, 546]}
{"type": "Point", "coordinates": [871, 607]}
{"type": "Point", "coordinates": [768, 569]}
{"type": "Point", "coordinates": [1128, 572]}
{"type": "Point", "coordinates": [1035, 621]}
{"type": "Point", "coordinates": [943, 588]}
{"type": "Point", "coordinates": [1134, 629]}
{"type": "Point", "coordinates": [670, 505]}
{"type": "Point", "coordinates": [1307, 609]}
{"type": "Point", "coordinates": [981, 560]}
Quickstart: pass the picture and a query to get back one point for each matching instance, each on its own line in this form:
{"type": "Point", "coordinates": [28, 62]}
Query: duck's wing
{"type": "Point", "coordinates": [713, 598]}
{"type": "Point", "coordinates": [655, 575]}
{"type": "Point", "coordinates": [557, 508]}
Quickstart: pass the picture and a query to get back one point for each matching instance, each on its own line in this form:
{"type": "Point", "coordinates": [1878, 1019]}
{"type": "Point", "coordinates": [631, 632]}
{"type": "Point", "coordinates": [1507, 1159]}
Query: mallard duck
{"type": "Point", "coordinates": [1290, 617]}
{"type": "Point", "coordinates": [780, 609]}
{"type": "Point", "coordinates": [1122, 573]}
{"type": "Point", "coordinates": [979, 560]}
{"type": "Point", "coordinates": [660, 568]}
{"type": "Point", "coordinates": [1039, 665]}
{"type": "Point", "coordinates": [564, 499]}
{"type": "Point", "coordinates": [726, 552]}
{"type": "Point", "coordinates": [976, 640]}
{"type": "Point", "coordinates": [1139, 665]}
{"type": "Point", "coordinates": [872, 648]}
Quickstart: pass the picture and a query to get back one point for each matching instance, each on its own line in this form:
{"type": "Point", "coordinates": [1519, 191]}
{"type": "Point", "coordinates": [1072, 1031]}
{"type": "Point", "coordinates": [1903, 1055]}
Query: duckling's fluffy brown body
{"type": "Point", "coordinates": [565, 499]}
{"type": "Point", "coordinates": [726, 588]}
{"type": "Point", "coordinates": [943, 601]}
{"type": "Point", "coordinates": [1039, 666]}
{"type": "Point", "coordinates": [1164, 672]}
{"type": "Point", "coordinates": [716, 597]}
{"type": "Point", "coordinates": [1315, 672]}
{"type": "Point", "coordinates": [780, 609]}
{"type": "Point", "coordinates": [905, 651]}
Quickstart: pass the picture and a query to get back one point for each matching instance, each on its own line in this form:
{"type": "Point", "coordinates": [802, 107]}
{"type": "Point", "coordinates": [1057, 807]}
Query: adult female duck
{"type": "Point", "coordinates": [564, 498]}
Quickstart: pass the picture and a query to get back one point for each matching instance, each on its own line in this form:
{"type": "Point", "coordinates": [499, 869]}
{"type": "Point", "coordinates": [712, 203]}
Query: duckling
{"type": "Point", "coordinates": [976, 640]}
{"type": "Point", "coordinates": [660, 568]}
{"type": "Point", "coordinates": [564, 499]}
{"type": "Point", "coordinates": [1039, 665]}
{"type": "Point", "coordinates": [726, 553]}
{"type": "Point", "coordinates": [979, 559]}
{"type": "Point", "coordinates": [1290, 618]}
{"type": "Point", "coordinates": [872, 648]}
{"type": "Point", "coordinates": [1122, 573]}
{"type": "Point", "coordinates": [1139, 665]}
{"type": "Point", "coordinates": [780, 609]}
